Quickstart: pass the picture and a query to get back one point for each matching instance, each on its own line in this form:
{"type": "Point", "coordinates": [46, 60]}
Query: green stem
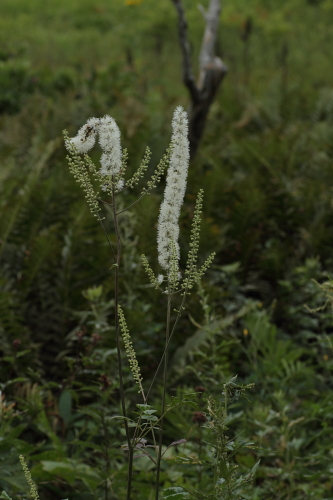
{"type": "Point", "coordinates": [167, 335]}
{"type": "Point", "coordinates": [107, 237]}
{"type": "Point", "coordinates": [121, 383]}
{"type": "Point", "coordinates": [167, 344]}
{"type": "Point", "coordinates": [132, 204]}
{"type": "Point", "coordinates": [107, 458]}
{"type": "Point", "coordinates": [130, 470]}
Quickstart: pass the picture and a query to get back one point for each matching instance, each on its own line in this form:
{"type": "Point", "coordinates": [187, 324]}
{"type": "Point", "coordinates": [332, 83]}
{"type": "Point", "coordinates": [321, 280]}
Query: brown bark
{"type": "Point", "coordinates": [212, 70]}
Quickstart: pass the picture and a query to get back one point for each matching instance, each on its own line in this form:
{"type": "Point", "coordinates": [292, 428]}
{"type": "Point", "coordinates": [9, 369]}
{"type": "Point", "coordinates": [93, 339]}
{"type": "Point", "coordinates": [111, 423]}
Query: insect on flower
{"type": "Point", "coordinates": [88, 132]}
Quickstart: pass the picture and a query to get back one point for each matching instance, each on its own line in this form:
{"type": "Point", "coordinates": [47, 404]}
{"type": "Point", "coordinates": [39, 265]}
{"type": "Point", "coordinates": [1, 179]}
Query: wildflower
{"type": "Point", "coordinates": [168, 229]}
{"type": "Point", "coordinates": [109, 140]}
{"type": "Point", "coordinates": [245, 331]}
{"type": "Point", "coordinates": [86, 136]}
{"type": "Point", "coordinates": [120, 185]}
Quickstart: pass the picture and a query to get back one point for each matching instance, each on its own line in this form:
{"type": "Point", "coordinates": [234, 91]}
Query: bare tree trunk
{"type": "Point", "coordinates": [212, 70]}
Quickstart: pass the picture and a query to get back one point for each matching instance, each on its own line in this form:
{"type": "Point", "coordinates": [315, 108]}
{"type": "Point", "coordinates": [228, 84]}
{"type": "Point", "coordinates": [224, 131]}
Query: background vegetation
{"type": "Point", "coordinates": [265, 164]}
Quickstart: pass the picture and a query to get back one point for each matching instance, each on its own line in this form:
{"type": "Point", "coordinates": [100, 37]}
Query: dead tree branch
{"type": "Point", "coordinates": [212, 69]}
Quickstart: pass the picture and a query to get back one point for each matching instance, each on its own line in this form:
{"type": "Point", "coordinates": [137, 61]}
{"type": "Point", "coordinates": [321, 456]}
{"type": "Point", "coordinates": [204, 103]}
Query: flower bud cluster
{"type": "Point", "coordinates": [141, 170]}
{"type": "Point", "coordinates": [131, 356]}
{"type": "Point", "coordinates": [159, 171]}
{"type": "Point", "coordinates": [152, 278]}
{"type": "Point", "coordinates": [33, 490]}
{"type": "Point", "coordinates": [80, 166]}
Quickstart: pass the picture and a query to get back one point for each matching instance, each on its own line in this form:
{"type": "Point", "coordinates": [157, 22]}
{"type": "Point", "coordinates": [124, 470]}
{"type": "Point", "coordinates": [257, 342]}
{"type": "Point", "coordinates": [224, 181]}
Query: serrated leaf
{"type": "Point", "coordinates": [149, 417]}
{"type": "Point", "coordinates": [143, 407]}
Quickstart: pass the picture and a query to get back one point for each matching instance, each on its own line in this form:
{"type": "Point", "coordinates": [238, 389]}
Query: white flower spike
{"type": "Point", "coordinates": [168, 228]}
{"type": "Point", "coordinates": [109, 140]}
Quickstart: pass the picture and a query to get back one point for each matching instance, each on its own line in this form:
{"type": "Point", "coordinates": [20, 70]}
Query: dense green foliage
{"type": "Point", "coordinates": [265, 165]}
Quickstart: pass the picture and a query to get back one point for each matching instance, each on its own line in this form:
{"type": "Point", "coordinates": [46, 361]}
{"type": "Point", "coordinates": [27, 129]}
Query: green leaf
{"type": "Point", "coordinates": [255, 467]}
{"type": "Point", "coordinates": [65, 406]}
{"type": "Point", "coordinates": [92, 412]}
{"type": "Point", "coordinates": [4, 495]}
{"type": "Point", "coordinates": [143, 407]}
{"type": "Point", "coordinates": [71, 471]}
{"type": "Point", "coordinates": [175, 492]}
{"type": "Point", "coordinates": [149, 417]}
{"type": "Point", "coordinates": [118, 416]}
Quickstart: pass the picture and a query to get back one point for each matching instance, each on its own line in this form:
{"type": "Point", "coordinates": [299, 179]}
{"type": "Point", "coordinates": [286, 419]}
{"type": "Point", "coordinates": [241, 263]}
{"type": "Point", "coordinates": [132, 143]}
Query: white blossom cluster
{"type": "Point", "coordinates": [86, 136]}
{"type": "Point", "coordinates": [168, 228]}
{"type": "Point", "coordinates": [109, 140]}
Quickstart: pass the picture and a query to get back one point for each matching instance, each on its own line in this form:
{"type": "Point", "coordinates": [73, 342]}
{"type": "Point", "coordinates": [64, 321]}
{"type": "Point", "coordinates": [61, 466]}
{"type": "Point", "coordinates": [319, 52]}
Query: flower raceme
{"type": "Point", "coordinates": [168, 227]}
{"type": "Point", "coordinates": [109, 140]}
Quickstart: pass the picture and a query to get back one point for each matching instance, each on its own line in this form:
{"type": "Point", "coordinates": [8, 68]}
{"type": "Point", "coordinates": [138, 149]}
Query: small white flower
{"type": "Point", "coordinates": [120, 184]}
{"type": "Point", "coordinates": [160, 278]}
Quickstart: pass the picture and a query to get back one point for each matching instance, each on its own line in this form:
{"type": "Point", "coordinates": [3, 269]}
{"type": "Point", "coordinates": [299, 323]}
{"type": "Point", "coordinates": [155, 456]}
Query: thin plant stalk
{"type": "Point", "coordinates": [121, 383]}
{"type": "Point", "coordinates": [107, 457]}
{"type": "Point", "coordinates": [167, 344]}
{"type": "Point", "coordinates": [167, 335]}
{"type": "Point", "coordinates": [108, 239]}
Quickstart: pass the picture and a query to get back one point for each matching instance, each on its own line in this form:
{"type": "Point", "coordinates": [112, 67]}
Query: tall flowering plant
{"type": "Point", "coordinates": [111, 179]}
